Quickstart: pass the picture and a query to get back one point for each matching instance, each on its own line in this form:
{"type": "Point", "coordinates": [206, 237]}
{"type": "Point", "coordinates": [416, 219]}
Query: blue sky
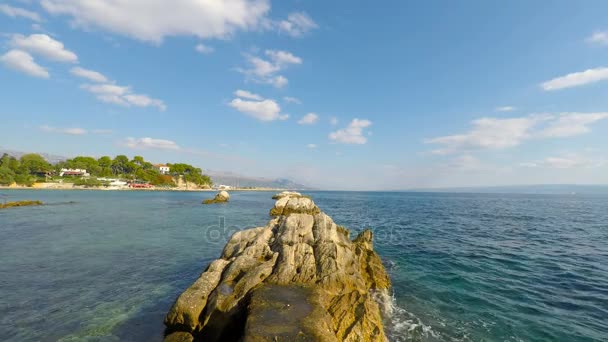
{"type": "Point", "coordinates": [334, 94]}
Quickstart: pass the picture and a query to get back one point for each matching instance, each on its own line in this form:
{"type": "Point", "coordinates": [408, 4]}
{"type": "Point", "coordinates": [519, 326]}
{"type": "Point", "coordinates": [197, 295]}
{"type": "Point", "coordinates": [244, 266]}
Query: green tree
{"type": "Point", "coordinates": [7, 176]}
{"type": "Point", "coordinates": [121, 165]}
{"type": "Point", "coordinates": [32, 163]}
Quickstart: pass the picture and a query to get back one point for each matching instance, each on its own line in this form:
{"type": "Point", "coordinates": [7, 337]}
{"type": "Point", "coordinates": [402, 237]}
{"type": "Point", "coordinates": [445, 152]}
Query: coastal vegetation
{"type": "Point", "coordinates": [31, 168]}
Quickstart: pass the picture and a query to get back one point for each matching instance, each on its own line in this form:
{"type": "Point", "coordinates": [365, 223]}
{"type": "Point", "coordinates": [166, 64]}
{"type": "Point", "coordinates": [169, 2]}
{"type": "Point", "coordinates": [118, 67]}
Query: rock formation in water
{"type": "Point", "coordinates": [19, 204]}
{"type": "Point", "coordinates": [221, 197]}
{"type": "Point", "coordinates": [298, 278]}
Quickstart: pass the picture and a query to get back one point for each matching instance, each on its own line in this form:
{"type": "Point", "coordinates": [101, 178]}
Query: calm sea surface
{"type": "Point", "coordinates": [106, 266]}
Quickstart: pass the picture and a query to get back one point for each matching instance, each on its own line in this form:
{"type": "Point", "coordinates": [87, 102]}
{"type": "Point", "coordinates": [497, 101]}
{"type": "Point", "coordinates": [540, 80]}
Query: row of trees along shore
{"type": "Point", "coordinates": [31, 168]}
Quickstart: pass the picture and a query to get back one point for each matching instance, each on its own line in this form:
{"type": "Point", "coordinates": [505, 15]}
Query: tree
{"type": "Point", "coordinates": [121, 165]}
{"type": "Point", "coordinates": [7, 176]}
{"type": "Point", "coordinates": [32, 163]}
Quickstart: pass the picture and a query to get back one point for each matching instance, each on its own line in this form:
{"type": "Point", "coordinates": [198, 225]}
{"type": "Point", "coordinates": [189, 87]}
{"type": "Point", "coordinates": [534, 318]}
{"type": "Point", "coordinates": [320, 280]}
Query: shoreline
{"type": "Point", "coordinates": [71, 187]}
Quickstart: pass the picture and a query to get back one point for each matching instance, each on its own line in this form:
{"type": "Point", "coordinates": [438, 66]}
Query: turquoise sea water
{"type": "Point", "coordinates": [106, 266]}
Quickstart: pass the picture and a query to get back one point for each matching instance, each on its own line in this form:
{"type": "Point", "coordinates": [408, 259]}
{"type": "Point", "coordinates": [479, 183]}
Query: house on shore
{"type": "Point", "coordinates": [74, 172]}
{"type": "Point", "coordinates": [162, 169]}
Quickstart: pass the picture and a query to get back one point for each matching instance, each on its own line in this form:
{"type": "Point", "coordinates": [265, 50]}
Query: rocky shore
{"type": "Point", "coordinates": [300, 277]}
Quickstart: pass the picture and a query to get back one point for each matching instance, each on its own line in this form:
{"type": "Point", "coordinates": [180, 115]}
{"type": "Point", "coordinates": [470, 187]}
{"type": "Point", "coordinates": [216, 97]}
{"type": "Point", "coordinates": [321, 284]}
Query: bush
{"type": "Point", "coordinates": [88, 182]}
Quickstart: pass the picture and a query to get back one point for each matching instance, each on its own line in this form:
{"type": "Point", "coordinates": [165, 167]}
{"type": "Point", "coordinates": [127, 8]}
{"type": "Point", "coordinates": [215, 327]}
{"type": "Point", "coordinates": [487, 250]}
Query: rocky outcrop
{"type": "Point", "coordinates": [286, 194]}
{"type": "Point", "coordinates": [19, 204]}
{"type": "Point", "coordinates": [221, 197]}
{"type": "Point", "coordinates": [298, 278]}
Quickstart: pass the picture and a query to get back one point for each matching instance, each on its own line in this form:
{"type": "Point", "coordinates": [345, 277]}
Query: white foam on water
{"type": "Point", "coordinates": [401, 325]}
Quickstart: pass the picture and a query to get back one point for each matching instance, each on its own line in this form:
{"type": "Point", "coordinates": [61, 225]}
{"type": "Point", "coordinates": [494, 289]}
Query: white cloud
{"type": "Point", "coordinates": [283, 58]}
{"type": "Point", "coordinates": [264, 110]}
{"type": "Point", "coordinates": [567, 161]}
{"type": "Point", "coordinates": [289, 99]}
{"type": "Point", "coordinates": [68, 131]}
{"type": "Point", "coordinates": [204, 49]}
{"type": "Point", "coordinates": [333, 120]}
{"type": "Point", "coordinates": [247, 95]}
{"type": "Point", "coordinates": [505, 109]}
{"type": "Point", "coordinates": [89, 74]}
{"type": "Point", "coordinates": [352, 134]}
{"type": "Point", "coordinates": [153, 20]}
{"type": "Point", "coordinates": [15, 12]}
{"type": "Point", "coordinates": [598, 37]}
{"type": "Point", "coordinates": [489, 133]}
{"type": "Point", "coordinates": [571, 124]}
{"type": "Point", "coordinates": [498, 133]}
{"type": "Point", "coordinates": [265, 70]}
{"type": "Point", "coordinates": [576, 79]}
{"type": "Point", "coordinates": [309, 119]}
{"type": "Point", "coordinates": [312, 146]}
{"type": "Point", "coordinates": [151, 143]}
{"type": "Point", "coordinates": [24, 62]}
{"type": "Point", "coordinates": [297, 24]}
{"type": "Point", "coordinates": [43, 45]}
{"type": "Point", "coordinates": [121, 95]}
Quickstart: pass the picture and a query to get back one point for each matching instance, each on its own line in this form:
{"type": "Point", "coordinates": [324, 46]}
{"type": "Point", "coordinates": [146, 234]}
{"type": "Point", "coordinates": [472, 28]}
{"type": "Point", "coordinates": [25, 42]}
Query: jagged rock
{"type": "Point", "coordinates": [221, 197]}
{"type": "Point", "coordinates": [298, 278]}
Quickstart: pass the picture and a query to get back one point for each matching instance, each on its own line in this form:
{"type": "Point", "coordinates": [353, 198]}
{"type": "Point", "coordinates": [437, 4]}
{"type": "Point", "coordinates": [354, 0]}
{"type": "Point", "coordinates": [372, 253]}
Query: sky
{"type": "Point", "coordinates": [333, 94]}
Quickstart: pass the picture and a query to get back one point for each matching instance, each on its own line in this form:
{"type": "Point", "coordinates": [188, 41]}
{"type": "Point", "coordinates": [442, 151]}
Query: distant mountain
{"type": "Point", "coordinates": [51, 158]}
{"type": "Point", "coordinates": [549, 189]}
{"type": "Point", "coordinates": [234, 179]}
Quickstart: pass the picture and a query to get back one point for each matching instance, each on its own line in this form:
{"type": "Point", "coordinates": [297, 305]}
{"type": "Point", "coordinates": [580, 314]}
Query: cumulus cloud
{"type": "Point", "coordinates": [499, 133]}
{"type": "Point", "coordinates": [297, 24]}
{"type": "Point", "coordinates": [68, 131]}
{"type": "Point", "coordinates": [265, 110]}
{"type": "Point", "coordinates": [122, 95]}
{"type": "Point", "coordinates": [309, 119]}
{"type": "Point", "coordinates": [90, 75]}
{"type": "Point", "coordinates": [45, 46]}
{"type": "Point", "coordinates": [289, 99]}
{"type": "Point", "coordinates": [23, 62]}
{"type": "Point", "coordinates": [266, 70]}
{"type": "Point", "coordinates": [151, 143]}
{"type": "Point", "coordinates": [247, 95]}
{"type": "Point", "coordinates": [153, 20]}
{"type": "Point", "coordinates": [505, 109]}
{"type": "Point", "coordinates": [598, 37]}
{"type": "Point", "coordinates": [352, 134]}
{"type": "Point", "coordinates": [15, 12]}
{"type": "Point", "coordinates": [576, 79]}
{"type": "Point", "coordinates": [204, 49]}
{"type": "Point", "coordinates": [257, 107]}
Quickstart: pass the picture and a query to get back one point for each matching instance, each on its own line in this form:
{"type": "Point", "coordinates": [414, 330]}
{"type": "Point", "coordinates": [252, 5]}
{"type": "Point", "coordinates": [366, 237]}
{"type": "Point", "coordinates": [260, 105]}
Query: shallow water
{"type": "Point", "coordinates": [465, 267]}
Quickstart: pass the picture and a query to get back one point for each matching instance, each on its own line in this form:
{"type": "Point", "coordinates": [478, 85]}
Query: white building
{"type": "Point", "coordinates": [74, 172]}
{"type": "Point", "coordinates": [163, 169]}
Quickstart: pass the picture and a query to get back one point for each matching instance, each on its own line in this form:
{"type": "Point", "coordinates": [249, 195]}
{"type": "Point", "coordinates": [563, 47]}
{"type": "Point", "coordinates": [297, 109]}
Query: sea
{"type": "Point", "coordinates": [107, 265]}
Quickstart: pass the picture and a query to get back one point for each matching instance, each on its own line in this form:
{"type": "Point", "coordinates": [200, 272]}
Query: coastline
{"type": "Point", "coordinates": [72, 187]}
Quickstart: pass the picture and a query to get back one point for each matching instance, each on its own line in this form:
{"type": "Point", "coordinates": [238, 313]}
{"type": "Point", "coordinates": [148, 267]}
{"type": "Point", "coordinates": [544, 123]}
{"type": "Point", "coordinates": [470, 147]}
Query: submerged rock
{"type": "Point", "coordinates": [19, 204]}
{"type": "Point", "coordinates": [221, 197]}
{"type": "Point", "coordinates": [298, 278]}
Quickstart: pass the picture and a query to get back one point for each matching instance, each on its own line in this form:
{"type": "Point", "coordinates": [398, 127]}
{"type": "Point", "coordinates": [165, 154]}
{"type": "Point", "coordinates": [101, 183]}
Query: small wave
{"type": "Point", "coordinates": [402, 325]}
